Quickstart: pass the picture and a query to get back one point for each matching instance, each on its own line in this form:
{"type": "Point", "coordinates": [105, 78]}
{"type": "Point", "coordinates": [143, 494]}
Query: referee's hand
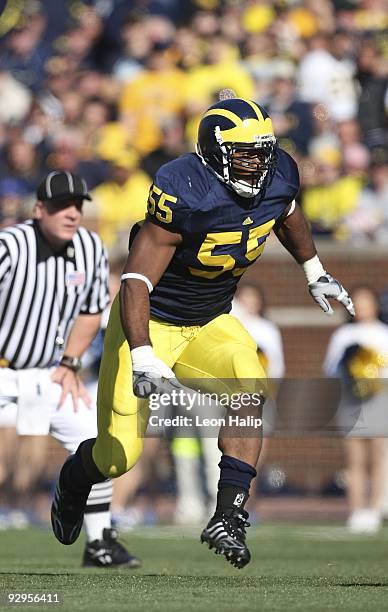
{"type": "Point", "coordinates": [71, 383]}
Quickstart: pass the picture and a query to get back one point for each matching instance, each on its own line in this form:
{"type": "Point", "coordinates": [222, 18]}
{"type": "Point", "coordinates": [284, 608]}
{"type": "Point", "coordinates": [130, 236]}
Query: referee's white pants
{"type": "Point", "coordinates": [70, 428]}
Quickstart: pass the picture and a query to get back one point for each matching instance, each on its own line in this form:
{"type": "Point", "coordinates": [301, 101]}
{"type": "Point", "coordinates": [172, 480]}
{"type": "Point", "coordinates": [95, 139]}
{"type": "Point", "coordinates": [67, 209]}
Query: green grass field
{"type": "Point", "coordinates": [294, 568]}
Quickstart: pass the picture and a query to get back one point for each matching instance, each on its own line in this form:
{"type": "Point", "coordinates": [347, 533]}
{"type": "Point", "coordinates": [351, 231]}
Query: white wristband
{"type": "Point", "coordinates": [313, 269]}
{"type": "Point", "coordinates": [142, 354]}
{"type": "Point", "coordinates": [140, 277]}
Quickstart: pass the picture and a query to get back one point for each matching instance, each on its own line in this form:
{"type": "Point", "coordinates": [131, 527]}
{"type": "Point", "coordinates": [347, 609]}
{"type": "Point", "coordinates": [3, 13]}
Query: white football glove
{"type": "Point", "coordinates": [328, 287]}
{"type": "Point", "coordinates": [151, 374]}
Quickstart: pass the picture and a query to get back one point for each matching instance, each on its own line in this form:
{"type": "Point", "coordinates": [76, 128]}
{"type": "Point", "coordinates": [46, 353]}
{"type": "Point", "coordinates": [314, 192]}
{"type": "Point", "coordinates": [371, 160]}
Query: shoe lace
{"type": "Point", "coordinates": [239, 522]}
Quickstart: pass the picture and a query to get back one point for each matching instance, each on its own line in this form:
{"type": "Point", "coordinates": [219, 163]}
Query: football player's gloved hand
{"type": "Point", "coordinates": [328, 287]}
{"type": "Point", "coordinates": [151, 374]}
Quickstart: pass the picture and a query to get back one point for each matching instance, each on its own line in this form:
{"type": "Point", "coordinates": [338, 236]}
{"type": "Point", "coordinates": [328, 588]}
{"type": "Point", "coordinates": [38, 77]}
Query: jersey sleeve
{"type": "Point", "coordinates": [166, 205]}
{"type": "Point", "coordinates": [294, 183]}
{"type": "Point", "coordinates": [5, 262]}
{"type": "Point", "coordinates": [98, 297]}
{"type": "Point", "coordinates": [289, 175]}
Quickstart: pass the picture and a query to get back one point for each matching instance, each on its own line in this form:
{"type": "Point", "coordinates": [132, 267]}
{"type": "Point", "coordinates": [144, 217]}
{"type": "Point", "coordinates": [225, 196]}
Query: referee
{"type": "Point", "coordinates": [53, 289]}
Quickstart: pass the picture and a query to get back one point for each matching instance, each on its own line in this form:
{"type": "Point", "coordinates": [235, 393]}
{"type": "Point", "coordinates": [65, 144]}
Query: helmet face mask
{"type": "Point", "coordinates": [248, 166]}
{"type": "Point", "coordinates": [236, 140]}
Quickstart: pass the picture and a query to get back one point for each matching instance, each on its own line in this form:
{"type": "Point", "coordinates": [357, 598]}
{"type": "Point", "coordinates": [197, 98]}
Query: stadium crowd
{"type": "Point", "coordinates": [112, 89]}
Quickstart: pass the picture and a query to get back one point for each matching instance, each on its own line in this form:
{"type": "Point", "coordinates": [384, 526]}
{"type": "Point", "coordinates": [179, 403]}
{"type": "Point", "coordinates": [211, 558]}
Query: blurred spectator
{"type": "Point", "coordinates": [372, 77]}
{"type": "Point", "coordinates": [189, 48]}
{"type": "Point", "coordinates": [332, 195]}
{"type": "Point", "coordinates": [139, 34]}
{"type": "Point", "coordinates": [137, 45]}
{"type": "Point", "coordinates": [221, 68]}
{"type": "Point", "coordinates": [292, 119]}
{"type": "Point", "coordinates": [259, 58]}
{"type": "Point", "coordinates": [24, 164]}
{"type": "Point", "coordinates": [95, 115]}
{"type": "Point", "coordinates": [249, 308]}
{"type": "Point", "coordinates": [120, 201]}
{"type": "Point", "coordinates": [77, 42]}
{"type": "Point", "coordinates": [156, 94]}
{"type": "Point", "coordinates": [15, 98]}
{"type": "Point", "coordinates": [369, 220]}
{"type": "Point", "coordinates": [25, 51]}
{"type": "Point", "coordinates": [71, 151]}
{"type": "Point", "coordinates": [172, 145]}
{"type": "Point", "coordinates": [12, 201]}
{"type": "Point", "coordinates": [358, 354]}
{"type": "Point", "coordinates": [328, 80]}
{"type": "Point", "coordinates": [355, 154]}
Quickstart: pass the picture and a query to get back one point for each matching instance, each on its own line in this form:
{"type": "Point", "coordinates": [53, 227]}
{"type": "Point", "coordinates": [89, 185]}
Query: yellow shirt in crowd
{"type": "Point", "coordinates": [329, 204]}
{"type": "Point", "coordinates": [206, 81]}
{"type": "Point", "coordinates": [117, 208]}
{"type": "Point", "coordinates": [148, 100]}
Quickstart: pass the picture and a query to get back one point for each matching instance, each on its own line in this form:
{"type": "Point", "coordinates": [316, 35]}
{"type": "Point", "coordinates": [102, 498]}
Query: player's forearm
{"type": "Point", "coordinates": [295, 235]}
{"type": "Point", "coordinates": [82, 334]}
{"type": "Point", "coordinates": [135, 312]}
{"type": "Point", "coordinates": [148, 258]}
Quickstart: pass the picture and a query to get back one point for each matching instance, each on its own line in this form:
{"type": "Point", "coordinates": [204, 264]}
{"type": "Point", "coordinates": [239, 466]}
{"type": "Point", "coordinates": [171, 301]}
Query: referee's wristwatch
{"type": "Point", "coordinates": [73, 363]}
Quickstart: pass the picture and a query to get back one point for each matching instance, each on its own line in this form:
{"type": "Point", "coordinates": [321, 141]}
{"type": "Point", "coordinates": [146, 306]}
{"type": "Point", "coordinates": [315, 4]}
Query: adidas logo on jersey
{"type": "Point", "coordinates": [247, 221]}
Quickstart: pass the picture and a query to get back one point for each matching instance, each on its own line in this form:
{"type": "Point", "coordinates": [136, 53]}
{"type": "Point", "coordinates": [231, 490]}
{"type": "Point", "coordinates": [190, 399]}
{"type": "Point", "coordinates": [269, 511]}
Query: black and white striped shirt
{"type": "Point", "coordinates": [43, 292]}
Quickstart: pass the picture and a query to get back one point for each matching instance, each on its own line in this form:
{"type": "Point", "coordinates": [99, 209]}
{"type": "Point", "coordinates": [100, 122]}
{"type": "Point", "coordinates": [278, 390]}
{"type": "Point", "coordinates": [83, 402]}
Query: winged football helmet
{"type": "Point", "coordinates": [236, 139]}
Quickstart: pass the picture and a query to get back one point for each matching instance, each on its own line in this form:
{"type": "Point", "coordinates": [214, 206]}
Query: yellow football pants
{"type": "Point", "coordinates": [221, 349]}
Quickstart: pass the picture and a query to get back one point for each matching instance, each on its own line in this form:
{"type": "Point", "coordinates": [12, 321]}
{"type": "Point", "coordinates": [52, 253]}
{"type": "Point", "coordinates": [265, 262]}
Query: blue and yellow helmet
{"type": "Point", "coordinates": [236, 139]}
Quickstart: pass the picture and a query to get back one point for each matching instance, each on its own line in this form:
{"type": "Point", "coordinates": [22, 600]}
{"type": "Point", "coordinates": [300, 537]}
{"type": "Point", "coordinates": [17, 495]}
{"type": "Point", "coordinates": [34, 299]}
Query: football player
{"type": "Point", "coordinates": [209, 215]}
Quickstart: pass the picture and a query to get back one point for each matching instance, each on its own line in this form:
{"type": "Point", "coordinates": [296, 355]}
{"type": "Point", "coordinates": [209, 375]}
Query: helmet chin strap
{"type": "Point", "coordinates": [244, 190]}
{"type": "Point", "coordinates": [247, 191]}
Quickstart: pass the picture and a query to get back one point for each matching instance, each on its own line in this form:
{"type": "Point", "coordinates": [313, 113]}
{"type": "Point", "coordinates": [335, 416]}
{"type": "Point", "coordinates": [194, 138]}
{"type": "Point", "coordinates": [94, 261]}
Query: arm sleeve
{"type": "Point", "coordinates": [5, 262]}
{"type": "Point", "coordinates": [98, 296]}
{"type": "Point", "coordinates": [166, 207]}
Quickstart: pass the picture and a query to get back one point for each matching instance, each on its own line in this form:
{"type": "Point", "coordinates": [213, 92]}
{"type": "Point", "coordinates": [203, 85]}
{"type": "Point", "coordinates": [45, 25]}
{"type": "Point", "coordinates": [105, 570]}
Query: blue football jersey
{"type": "Point", "coordinates": [223, 234]}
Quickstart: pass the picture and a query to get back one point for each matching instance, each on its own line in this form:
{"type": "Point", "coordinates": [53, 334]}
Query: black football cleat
{"type": "Point", "coordinates": [226, 534]}
{"type": "Point", "coordinates": [67, 510]}
{"type": "Point", "coordinates": [109, 553]}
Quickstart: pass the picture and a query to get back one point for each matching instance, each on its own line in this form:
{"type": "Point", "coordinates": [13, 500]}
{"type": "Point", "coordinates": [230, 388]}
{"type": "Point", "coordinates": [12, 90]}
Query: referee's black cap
{"type": "Point", "coordinates": [60, 185]}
